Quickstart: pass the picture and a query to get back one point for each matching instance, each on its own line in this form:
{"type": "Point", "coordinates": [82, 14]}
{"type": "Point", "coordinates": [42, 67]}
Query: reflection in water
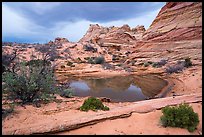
{"type": "Point", "coordinates": [118, 89]}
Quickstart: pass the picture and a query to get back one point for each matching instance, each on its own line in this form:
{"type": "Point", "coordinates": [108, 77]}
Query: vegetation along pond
{"type": "Point", "coordinates": [119, 88]}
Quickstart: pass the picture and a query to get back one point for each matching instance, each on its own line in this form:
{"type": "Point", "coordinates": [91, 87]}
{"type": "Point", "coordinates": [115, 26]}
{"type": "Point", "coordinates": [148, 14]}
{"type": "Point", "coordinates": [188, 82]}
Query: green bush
{"type": "Point", "coordinates": [155, 64]}
{"type": "Point", "coordinates": [32, 82]}
{"type": "Point", "coordinates": [187, 62]}
{"type": "Point", "coordinates": [150, 62]}
{"type": "Point", "coordinates": [133, 62]}
{"type": "Point", "coordinates": [87, 58]}
{"type": "Point", "coordinates": [91, 60]}
{"type": "Point", "coordinates": [99, 60]}
{"type": "Point", "coordinates": [94, 104]}
{"type": "Point", "coordinates": [140, 64]}
{"type": "Point", "coordinates": [7, 111]}
{"type": "Point", "coordinates": [96, 60]}
{"type": "Point", "coordinates": [37, 63]}
{"type": "Point", "coordinates": [119, 65]}
{"type": "Point", "coordinates": [62, 66]}
{"type": "Point", "coordinates": [146, 64]}
{"type": "Point", "coordinates": [175, 68]}
{"type": "Point", "coordinates": [66, 93]}
{"type": "Point", "coordinates": [159, 64]}
{"type": "Point", "coordinates": [115, 57]}
{"type": "Point", "coordinates": [79, 60]}
{"type": "Point", "coordinates": [69, 63]}
{"type": "Point", "coordinates": [180, 116]}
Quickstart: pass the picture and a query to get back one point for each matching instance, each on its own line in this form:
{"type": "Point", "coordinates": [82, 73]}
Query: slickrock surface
{"type": "Point", "coordinates": [72, 119]}
{"type": "Point", "coordinates": [136, 124]}
{"type": "Point", "coordinates": [177, 21]}
{"type": "Point", "coordinates": [105, 35]}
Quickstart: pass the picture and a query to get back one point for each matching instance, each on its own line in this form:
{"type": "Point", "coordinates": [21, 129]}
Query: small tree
{"type": "Point", "coordinates": [9, 61]}
{"type": "Point", "coordinates": [34, 81]}
{"type": "Point", "coordinates": [49, 52]}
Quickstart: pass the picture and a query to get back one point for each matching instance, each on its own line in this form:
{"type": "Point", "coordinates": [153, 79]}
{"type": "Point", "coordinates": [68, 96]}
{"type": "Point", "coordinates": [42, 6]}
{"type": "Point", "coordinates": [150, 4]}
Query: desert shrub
{"type": "Point", "coordinates": [109, 52]}
{"type": "Point", "coordinates": [115, 57]}
{"type": "Point", "coordinates": [99, 60]}
{"type": "Point", "coordinates": [155, 64]}
{"type": "Point", "coordinates": [94, 104]}
{"type": "Point", "coordinates": [66, 50]}
{"type": "Point", "coordinates": [119, 65]}
{"type": "Point", "coordinates": [89, 48]}
{"type": "Point", "coordinates": [169, 51]}
{"type": "Point", "coordinates": [37, 63]}
{"type": "Point", "coordinates": [181, 62]}
{"type": "Point", "coordinates": [127, 53]}
{"type": "Point", "coordinates": [108, 66]}
{"type": "Point", "coordinates": [91, 60]}
{"type": "Point", "coordinates": [8, 111]}
{"type": "Point", "coordinates": [159, 64]}
{"type": "Point", "coordinates": [128, 69]}
{"type": "Point", "coordinates": [141, 64]}
{"type": "Point", "coordinates": [87, 58]}
{"type": "Point", "coordinates": [9, 61]}
{"type": "Point", "coordinates": [66, 93]}
{"type": "Point", "coordinates": [175, 68]}
{"type": "Point", "coordinates": [32, 82]}
{"type": "Point", "coordinates": [146, 64]}
{"type": "Point", "coordinates": [162, 62]}
{"type": "Point", "coordinates": [149, 62]}
{"type": "Point", "coordinates": [49, 51]}
{"type": "Point", "coordinates": [96, 60]}
{"type": "Point", "coordinates": [180, 116]}
{"type": "Point", "coordinates": [133, 62]}
{"type": "Point", "coordinates": [188, 62]}
{"type": "Point", "coordinates": [79, 59]}
{"type": "Point", "coordinates": [62, 66]}
{"type": "Point", "coordinates": [69, 63]}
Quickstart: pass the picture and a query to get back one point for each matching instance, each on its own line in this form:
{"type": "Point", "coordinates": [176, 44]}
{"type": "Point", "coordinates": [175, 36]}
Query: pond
{"type": "Point", "coordinates": [119, 88]}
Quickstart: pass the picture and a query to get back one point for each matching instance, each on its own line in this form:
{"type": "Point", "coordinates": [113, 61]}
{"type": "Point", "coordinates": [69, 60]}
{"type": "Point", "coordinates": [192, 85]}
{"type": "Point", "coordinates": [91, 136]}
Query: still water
{"type": "Point", "coordinates": [119, 88]}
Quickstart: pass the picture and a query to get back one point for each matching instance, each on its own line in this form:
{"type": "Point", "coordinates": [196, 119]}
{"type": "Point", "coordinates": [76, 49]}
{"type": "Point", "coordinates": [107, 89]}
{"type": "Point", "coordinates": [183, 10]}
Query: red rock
{"type": "Point", "coordinates": [120, 35]}
{"type": "Point", "coordinates": [61, 40]}
{"type": "Point", "coordinates": [176, 21]}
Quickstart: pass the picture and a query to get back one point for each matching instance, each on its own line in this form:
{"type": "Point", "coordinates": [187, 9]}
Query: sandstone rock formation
{"type": "Point", "coordinates": [107, 35]}
{"type": "Point", "coordinates": [176, 21]}
{"type": "Point", "coordinates": [59, 40]}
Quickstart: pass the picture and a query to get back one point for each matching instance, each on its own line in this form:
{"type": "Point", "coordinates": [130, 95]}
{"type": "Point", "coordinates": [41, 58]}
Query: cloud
{"type": "Point", "coordinates": [145, 20]}
{"type": "Point", "coordinates": [72, 31]}
{"type": "Point", "coordinates": [16, 25]}
{"type": "Point", "coordinates": [42, 21]}
{"type": "Point", "coordinates": [43, 7]}
{"type": "Point", "coordinates": [49, 13]}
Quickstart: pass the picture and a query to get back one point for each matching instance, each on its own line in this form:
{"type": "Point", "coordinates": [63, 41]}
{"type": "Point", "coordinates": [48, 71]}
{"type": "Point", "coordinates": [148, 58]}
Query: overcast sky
{"type": "Point", "coordinates": [44, 21]}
